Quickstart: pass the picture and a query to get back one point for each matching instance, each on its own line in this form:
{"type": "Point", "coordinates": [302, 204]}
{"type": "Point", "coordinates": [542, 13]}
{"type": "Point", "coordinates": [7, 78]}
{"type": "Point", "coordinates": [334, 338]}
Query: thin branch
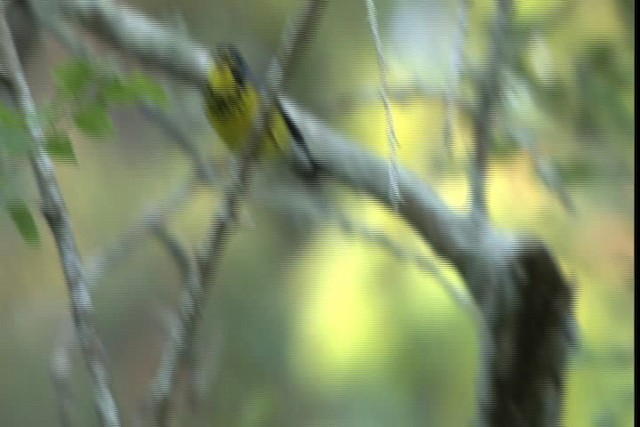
{"type": "Point", "coordinates": [163, 385]}
{"type": "Point", "coordinates": [55, 213]}
{"type": "Point", "coordinates": [490, 87]}
{"type": "Point", "coordinates": [402, 94]}
{"type": "Point", "coordinates": [153, 219]}
{"type": "Point", "coordinates": [192, 303]}
{"type": "Point", "coordinates": [384, 96]}
{"type": "Point", "coordinates": [181, 255]}
{"type": "Point", "coordinates": [79, 48]}
{"type": "Point", "coordinates": [477, 252]}
{"type": "Point", "coordinates": [278, 73]}
{"type": "Point", "coordinates": [204, 168]}
{"type": "Point", "coordinates": [458, 60]}
{"type": "Point", "coordinates": [204, 368]}
{"type": "Point", "coordinates": [60, 363]}
{"type": "Point", "coordinates": [60, 367]}
{"type": "Point", "coordinates": [543, 167]}
{"type": "Point", "coordinates": [153, 215]}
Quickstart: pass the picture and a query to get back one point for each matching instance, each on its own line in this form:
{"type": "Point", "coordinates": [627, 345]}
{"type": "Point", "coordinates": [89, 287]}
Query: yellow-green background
{"type": "Point", "coordinates": [318, 328]}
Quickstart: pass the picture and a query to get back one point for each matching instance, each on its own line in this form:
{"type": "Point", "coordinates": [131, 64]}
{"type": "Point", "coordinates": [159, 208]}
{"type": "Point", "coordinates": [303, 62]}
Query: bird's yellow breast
{"type": "Point", "coordinates": [232, 109]}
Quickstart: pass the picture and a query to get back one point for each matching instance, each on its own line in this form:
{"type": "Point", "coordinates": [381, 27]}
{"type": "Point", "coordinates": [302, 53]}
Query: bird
{"type": "Point", "coordinates": [233, 98]}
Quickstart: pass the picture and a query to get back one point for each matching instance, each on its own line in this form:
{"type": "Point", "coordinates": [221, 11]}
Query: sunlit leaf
{"type": "Point", "coordinates": [74, 77]}
{"type": "Point", "coordinates": [145, 88]}
{"type": "Point", "coordinates": [116, 90]}
{"type": "Point", "coordinates": [133, 88]}
{"type": "Point", "coordinates": [94, 120]}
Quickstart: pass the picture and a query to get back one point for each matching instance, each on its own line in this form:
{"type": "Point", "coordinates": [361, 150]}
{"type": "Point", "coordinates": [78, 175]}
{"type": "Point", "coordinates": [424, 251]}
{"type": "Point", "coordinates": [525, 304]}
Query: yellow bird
{"type": "Point", "coordinates": [233, 101]}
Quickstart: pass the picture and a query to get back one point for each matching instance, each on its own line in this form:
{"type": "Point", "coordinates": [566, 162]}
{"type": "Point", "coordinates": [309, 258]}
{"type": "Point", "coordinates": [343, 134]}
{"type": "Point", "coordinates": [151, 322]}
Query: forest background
{"type": "Point", "coordinates": [305, 315]}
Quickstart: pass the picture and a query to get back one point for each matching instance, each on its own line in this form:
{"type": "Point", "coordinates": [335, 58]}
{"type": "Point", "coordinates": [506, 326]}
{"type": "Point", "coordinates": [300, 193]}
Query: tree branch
{"type": "Point", "coordinates": [490, 91]}
{"type": "Point", "coordinates": [152, 43]}
{"type": "Point", "coordinates": [510, 277]}
{"type": "Point", "coordinates": [193, 300]}
{"type": "Point", "coordinates": [57, 217]}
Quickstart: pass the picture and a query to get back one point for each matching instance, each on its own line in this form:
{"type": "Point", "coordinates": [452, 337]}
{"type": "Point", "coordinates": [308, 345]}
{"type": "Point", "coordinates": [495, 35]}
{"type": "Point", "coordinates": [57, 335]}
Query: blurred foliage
{"type": "Point", "coordinates": [85, 92]}
{"type": "Point", "coordinates": [312, 327]}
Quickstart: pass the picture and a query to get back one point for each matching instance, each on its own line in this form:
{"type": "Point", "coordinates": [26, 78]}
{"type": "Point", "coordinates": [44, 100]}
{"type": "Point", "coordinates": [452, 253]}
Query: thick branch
{"type": "Point", "coordinates": [513, 279]}
{"type": "Point", "coordinates": [448, 232]}
{"type": "Point", "coordinates": [149, 41]}
{"type": "Point", "coordinates": [529, 343]}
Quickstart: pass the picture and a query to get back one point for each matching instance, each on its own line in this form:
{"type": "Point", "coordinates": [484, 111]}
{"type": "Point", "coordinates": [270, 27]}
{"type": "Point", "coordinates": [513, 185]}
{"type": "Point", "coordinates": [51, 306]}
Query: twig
{"type": "Point", "coordinates": [80, 49]}
{"type": "Point", "coordinates": [60, 364]}
{"type": "Point", "coordinates": [59, 370]}
{"type": "Point", "coordinates": [454, 237]}
{"type": "Point", "coordinates": [177, 355]}
{"type": "Point", "coordinates": [490, 87]}
{"type": "Point", "coordinates": [543, 167]}
{"type": "Point", "coordinates": [122, 246]}
{"type": "Point", "coordinates": [162, 387]}
{"type": "Point", "coordinates": [204, 169]}
{"type": "Point", "coordinates": [404, 93]}
{"type": "Point", "coordinates": [151, 219]}
{"type": "Point", "coordinates": [384, 95]}
{"type": "Point", "coordinates": [55, 213]}
{"type": "Point", "coordinates": [457, 67]}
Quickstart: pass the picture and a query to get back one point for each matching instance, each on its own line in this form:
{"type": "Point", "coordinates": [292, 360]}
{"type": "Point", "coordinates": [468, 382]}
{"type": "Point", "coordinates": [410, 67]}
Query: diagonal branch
{"type": "Point", "coordinates": [458, 62]}
{"type": "Point", "coordinates": [513, 280]}
{"type": "Point", "coordinates": [157, 404]}
{"type": "Point", "coordinates": [384, 96]}
{"type": "Point", "coordinates": [57, 217]}
{"type": "Point", "coordinates": [193, 300]}
{"type": "Point", "coordinates": [132, 32]}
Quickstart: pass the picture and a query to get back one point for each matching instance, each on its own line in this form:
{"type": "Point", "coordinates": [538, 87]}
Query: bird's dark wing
{"type": "Point", "coordinates": [299, 141]}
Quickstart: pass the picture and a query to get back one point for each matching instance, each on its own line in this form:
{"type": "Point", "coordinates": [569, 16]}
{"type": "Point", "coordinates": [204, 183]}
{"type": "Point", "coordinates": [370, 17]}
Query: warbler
{"type": "Point", "coordinates": [233, 101]}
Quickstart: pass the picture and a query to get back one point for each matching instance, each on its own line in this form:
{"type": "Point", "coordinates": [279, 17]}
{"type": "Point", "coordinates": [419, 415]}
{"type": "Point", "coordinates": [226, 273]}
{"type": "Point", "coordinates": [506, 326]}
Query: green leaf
{"type": "Point", "coordinates": [136, 87]}
{"type": "Point", "coordinates": [94, 120]}
{"type": "Point", "coordinates": [116, 90]}
{"type": "Point", "coordinates": [22, 218]}
{"type": "Point", "coordinates": [59, 146]}
{"type": "Point", "coordinates": [74, 77]}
